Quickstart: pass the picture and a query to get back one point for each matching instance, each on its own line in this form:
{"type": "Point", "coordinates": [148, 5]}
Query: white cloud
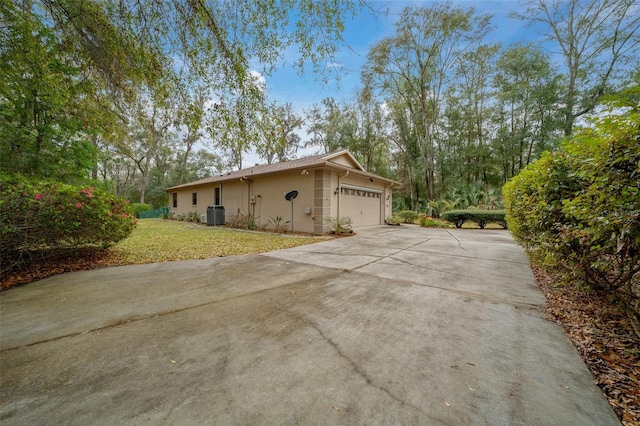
{"type": "Point", "coordinates": [334, 65]}
{"type": "Point", "coordinates": [258, 79]}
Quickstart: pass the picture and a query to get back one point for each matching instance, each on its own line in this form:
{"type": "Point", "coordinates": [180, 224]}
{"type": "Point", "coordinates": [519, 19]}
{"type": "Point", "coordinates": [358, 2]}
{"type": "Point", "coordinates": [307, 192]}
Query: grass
{"type": "Point", "coordinates": [156, 240]}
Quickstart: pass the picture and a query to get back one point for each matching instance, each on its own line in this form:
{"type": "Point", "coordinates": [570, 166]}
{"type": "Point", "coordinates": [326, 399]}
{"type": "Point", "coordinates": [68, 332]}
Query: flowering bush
{"type": "Point", "coordinates": [44, 216]}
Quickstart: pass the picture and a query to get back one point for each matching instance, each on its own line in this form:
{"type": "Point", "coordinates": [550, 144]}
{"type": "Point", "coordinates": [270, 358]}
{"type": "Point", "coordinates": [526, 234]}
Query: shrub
{"type": "Point", "coordinates": [193, 217]}
{"type": "Point", "coordinates": [428, 222]}
{"type": "Point", "coordinates": [340, 225]}
{"type": "Point", "coordinates": [278, 224]}
{"type": "Point", "coordinates": [481, 217]}
{"type": "Point", "coordinates": [394, 220]}
{"type": "Point", "coordinates": [241, 221]}
{"type": "Point", "coordinates": [407, 216]}
{"type": "Point", "coordinates": [136, 208]}
{"type": "Point", "coordinates": [578, 210]}
{"type": "Point", "coordinates": [39, 216]}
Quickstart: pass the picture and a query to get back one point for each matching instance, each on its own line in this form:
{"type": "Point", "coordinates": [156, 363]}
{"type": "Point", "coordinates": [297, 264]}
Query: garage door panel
{"type": "Point", "coordinates": [363, 206]}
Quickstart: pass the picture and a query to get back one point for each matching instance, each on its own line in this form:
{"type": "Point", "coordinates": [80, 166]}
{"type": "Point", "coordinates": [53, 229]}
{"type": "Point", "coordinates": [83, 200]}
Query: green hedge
{"type": "Point", "coordinates": [481, 217]}
{"type": "Point", "coordinates": [577, 210]}
{"type": "Point", "coordinates": [136, 208]}
{"type": "Point", "coordinates": [39, 216]}
{"type": "Point", "coordinates": [407, 216]}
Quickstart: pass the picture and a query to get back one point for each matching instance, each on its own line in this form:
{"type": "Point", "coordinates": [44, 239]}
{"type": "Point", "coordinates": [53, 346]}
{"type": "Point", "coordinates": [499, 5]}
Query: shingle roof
{"type": "Point", "coordinates": [265, 169]}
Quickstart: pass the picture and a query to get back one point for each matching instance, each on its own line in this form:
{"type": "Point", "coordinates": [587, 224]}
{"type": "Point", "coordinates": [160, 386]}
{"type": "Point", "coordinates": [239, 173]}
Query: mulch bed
{"type": "Point", "coordinates": [605, 338]}
{"type": "Point", "coordinates": [54, 265]}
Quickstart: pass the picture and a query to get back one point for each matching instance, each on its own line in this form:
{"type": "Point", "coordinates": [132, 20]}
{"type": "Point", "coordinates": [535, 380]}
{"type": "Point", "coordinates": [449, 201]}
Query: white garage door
{"type": "Point", "coordinates": [362, 205]}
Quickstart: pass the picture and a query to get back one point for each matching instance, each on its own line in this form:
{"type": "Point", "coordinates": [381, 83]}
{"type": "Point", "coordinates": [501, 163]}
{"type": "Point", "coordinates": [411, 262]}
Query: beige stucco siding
{"type": "Point", "coordinates": [268, 202]}
{"type": "Point", "coordinates": [324, 191]}
{"type": "Point", "coordinates": [343, 161]}
{"type": "Point", "coordinates": [205, 197]}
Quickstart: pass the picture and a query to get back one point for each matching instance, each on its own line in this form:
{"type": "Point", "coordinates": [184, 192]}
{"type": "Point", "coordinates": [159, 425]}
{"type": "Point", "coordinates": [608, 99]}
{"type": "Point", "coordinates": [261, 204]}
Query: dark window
{"type": "Point", "coordinates": [217, 196]}
{"type": "Point", "coordinates": [194, 198]}
{"type": "Point", "coordinates": [175, 200]}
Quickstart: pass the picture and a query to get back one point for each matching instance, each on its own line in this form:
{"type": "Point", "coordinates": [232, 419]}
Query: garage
{"type": "Point", "coordinates": [363, 205]}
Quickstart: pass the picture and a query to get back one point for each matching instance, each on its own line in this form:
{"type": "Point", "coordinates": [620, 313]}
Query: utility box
{"type": "Point", "coordinates": [215, 215]}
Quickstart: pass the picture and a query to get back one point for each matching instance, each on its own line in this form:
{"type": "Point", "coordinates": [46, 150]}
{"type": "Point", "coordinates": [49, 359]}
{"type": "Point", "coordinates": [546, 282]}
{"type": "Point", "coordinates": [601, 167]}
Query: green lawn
{"type": "Point", "coordinates": [156, 240]}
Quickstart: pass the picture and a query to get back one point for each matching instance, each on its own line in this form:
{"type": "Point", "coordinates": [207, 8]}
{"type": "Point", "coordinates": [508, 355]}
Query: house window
{"type": "Point", "coordinates": [175, 200]}
{"type": "Point", "coordinates": [217, 196]}
{"type": "Point", "coordinates": [194, 198]}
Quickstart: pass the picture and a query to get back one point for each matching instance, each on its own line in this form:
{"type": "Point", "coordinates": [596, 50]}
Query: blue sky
{"type": "Point", "coordinates": [365, 30]}
{"type": "Point", "coordinates": [361, 33]}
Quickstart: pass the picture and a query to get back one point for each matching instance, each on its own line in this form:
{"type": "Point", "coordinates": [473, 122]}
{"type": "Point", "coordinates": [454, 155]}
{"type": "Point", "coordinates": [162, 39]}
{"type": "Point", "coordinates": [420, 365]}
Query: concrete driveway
{"type": "Point", "coordinates": [397, 325]}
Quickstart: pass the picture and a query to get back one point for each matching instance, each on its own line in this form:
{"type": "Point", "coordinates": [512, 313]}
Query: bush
{"type": "Point", "coordinates": [193, 217]}
{"type": "Point", "coordinates": [394, 220]}
{"type": "Point", "coordinates": [136, 208]}
{"type": "Point", "coordinates": [241, 221]}
{"type": "Point", "coordinates": [39, 216]}
{"type": "Point", "coordinates": [481, 217]}
{"type": "Point", "coordinates": [340, 225]}
{"type": "Point", "coordinates": [428, 222]}
{"type": "Point", "coordinates": [407, 216]}
{"type": "Point", "coordinates": [578, 210]}
{"type": "Point", "coordinates": [278, 224]}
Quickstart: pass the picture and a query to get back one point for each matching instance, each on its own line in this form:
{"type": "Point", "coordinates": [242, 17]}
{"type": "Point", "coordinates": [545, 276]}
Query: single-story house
{"type": "Point", "coordinates": [332, 185]}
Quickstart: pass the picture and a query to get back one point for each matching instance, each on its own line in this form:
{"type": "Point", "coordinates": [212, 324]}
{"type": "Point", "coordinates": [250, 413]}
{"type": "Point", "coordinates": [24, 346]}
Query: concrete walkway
{"type": "Point", "coordinates": [397, 325]}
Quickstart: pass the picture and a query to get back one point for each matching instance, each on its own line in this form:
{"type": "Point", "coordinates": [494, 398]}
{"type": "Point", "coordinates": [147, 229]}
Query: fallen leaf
{"type": "Point", "coordinates": [336, 408]}
{"type": "Point", "coordinates": [447, 403]}
{"type": "Point", "coordinates": [173, 361]}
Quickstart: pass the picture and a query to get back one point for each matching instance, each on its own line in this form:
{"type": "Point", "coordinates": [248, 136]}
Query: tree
{"type": "Point", "coordinates": [370, 143]}
{"type": "Point", "coordinates": [465, 135]}
{"type": "Point", "coordinates": [527, 94]}
{"type": "Point", "coordinates": [280, 138]}
{"type": "Point", "coordinates": [67, 61]}
{"type": "Point", "coordinates": [331, 128]}
{"type": "Point", "coordinates": [598, 40]}
{"type": "Point", "coordinates": [415, 65]}
{"type": "Point", "coordinates": [42, 132]}
{"type": "Point", "coordinates": [192, 117]}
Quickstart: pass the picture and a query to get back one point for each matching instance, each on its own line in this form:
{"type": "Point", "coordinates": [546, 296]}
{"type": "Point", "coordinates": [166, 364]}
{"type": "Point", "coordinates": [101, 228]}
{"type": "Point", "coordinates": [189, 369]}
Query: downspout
{"type": "Point", "coordinates": [340, 192]}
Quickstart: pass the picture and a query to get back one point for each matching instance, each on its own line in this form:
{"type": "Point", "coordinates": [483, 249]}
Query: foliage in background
{"type": "Point", "coordinates": [39, 217]}
{"type": "Point", "coordinates": [578, 210]}
{"type": "Point", "coordinates": [136, 208]}
{"type": "Point", "coordinates": [145, 95]}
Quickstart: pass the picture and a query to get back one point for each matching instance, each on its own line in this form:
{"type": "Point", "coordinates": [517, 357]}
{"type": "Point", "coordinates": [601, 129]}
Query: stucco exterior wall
{"type": "Point", "coordinates": [268, 202]}
{"type": "Point", "coordinates": [262, 197]}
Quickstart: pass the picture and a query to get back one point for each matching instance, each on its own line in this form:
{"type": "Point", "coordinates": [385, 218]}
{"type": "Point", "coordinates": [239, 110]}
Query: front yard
{"type": "Point", "coordinates": [156, 240]}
